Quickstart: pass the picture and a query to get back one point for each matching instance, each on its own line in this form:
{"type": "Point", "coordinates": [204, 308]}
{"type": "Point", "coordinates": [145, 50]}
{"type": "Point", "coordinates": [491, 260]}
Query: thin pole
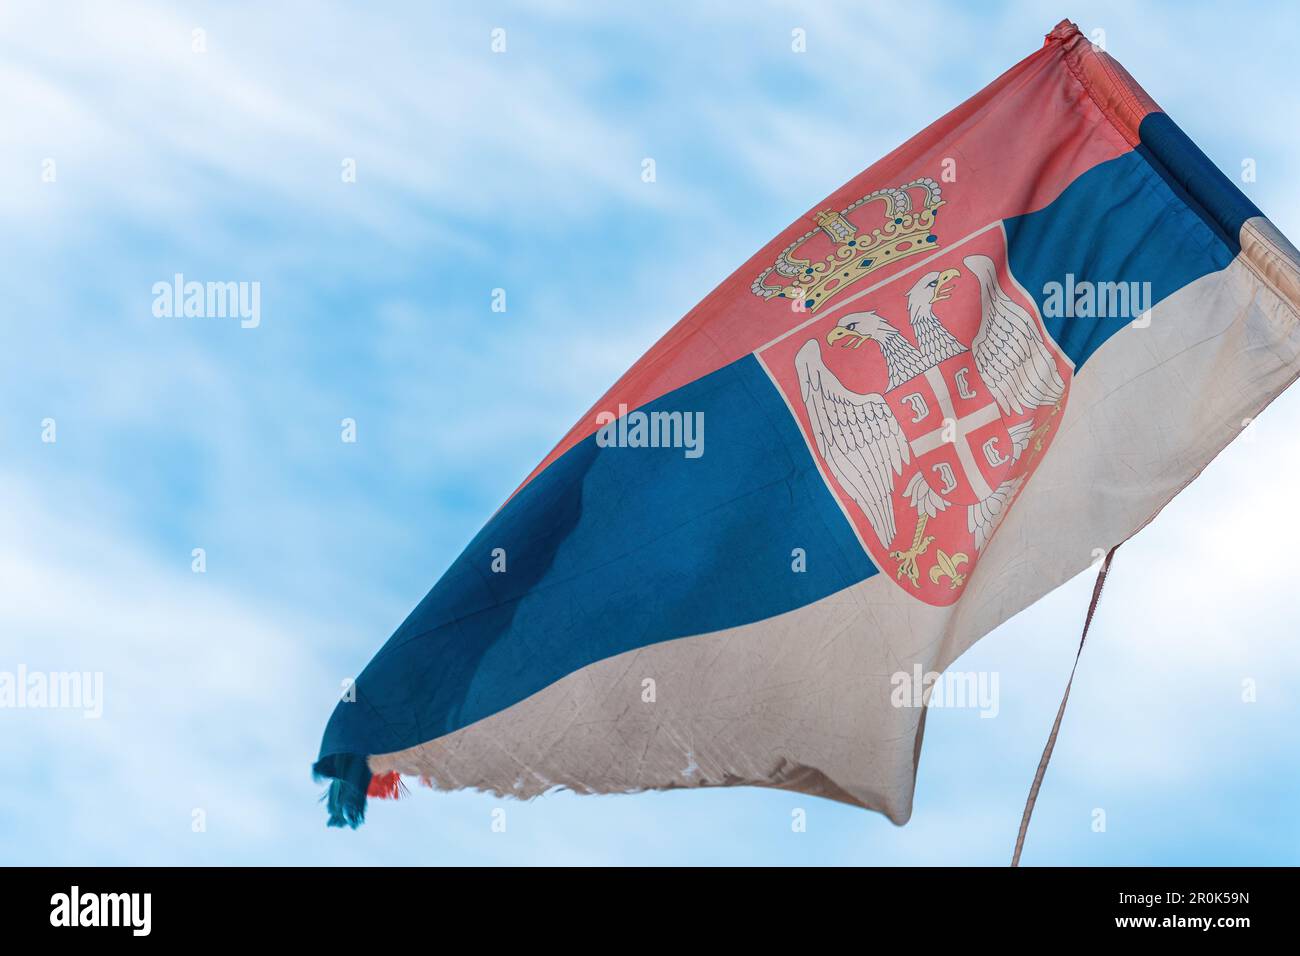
{"type": "Point", "coordinates": [1060, 711]}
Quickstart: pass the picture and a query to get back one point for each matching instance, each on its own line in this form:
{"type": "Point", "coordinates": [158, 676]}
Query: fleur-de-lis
{"type": "Point", "coordinates": [947, 568]}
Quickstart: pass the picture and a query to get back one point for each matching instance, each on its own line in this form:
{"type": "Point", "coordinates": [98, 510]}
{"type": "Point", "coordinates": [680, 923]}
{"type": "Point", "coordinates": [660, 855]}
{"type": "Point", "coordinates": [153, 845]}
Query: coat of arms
{"type": "Point", "coordinates": [927, 398]}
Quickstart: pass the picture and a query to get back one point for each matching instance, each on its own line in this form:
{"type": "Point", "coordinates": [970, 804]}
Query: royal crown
{"type": "Point", "coordinates": [858, 246]}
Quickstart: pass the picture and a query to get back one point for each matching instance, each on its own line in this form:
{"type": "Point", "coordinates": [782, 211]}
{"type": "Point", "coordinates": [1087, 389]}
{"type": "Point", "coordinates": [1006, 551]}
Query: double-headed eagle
{"type": "Point", "coordinates": [857, 434]}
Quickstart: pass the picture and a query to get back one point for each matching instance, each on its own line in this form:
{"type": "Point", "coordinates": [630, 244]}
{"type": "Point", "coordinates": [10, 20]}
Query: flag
{"type": "Point", "coordinates": [951, 386]}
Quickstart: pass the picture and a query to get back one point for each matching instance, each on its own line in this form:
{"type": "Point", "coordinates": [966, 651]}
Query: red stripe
{"type": "Point", "coordinates": [1013, 148]}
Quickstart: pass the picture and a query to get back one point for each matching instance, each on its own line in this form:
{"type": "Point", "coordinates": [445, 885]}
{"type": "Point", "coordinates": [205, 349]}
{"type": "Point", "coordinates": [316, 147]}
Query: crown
{"type": "Point", "coordinates": [858, 246]}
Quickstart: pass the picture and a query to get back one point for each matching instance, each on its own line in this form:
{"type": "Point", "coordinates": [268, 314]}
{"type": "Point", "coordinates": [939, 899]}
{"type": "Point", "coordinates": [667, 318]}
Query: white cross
{"type": "Point", "coordinates": [961, 428]}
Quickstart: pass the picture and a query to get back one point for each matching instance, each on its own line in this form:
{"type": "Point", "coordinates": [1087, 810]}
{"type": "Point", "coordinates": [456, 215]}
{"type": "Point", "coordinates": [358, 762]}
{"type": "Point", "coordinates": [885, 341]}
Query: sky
{"type": "Point", "coordinates": [134, 148]}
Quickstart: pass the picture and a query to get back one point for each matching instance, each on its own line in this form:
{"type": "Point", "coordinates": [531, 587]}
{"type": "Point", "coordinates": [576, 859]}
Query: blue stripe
{"type": "Point", "coordinates": [1161, 214]}
{"type": "Point", "coordinates": [608, 550]}
{"type": "Point", "coordinates": [1195, 179]}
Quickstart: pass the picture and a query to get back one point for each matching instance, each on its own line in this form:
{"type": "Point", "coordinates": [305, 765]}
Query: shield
{"type": "Point", "coordinates": [956, 434]}
{"type": "Point", "coordinates": [962, 451]}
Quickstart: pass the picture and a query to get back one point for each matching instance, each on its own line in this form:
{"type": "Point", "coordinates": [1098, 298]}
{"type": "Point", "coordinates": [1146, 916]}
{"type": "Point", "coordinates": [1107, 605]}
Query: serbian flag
{"type": "Point", "coordinates": [907, 417]}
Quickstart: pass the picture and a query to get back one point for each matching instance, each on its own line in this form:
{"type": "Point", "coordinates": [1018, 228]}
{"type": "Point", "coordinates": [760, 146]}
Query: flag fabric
{"type": "Point", "coordinates": [951, 386]}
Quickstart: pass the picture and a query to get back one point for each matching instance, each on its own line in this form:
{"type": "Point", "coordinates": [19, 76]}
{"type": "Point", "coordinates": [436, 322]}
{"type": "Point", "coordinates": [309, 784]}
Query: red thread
{"type": "Point", "coordinates": [385, 786]}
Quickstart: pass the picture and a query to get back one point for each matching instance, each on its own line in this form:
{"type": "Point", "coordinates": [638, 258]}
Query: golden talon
{"type": "Point", "coordinates": [907, 559]}
{"type": "Point", "coordinates": [1040, 433]}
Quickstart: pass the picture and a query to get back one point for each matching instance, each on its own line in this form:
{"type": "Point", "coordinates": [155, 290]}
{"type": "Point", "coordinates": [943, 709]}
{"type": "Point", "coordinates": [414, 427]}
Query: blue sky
{"type": "Point", "coordinates": [522, 171]}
